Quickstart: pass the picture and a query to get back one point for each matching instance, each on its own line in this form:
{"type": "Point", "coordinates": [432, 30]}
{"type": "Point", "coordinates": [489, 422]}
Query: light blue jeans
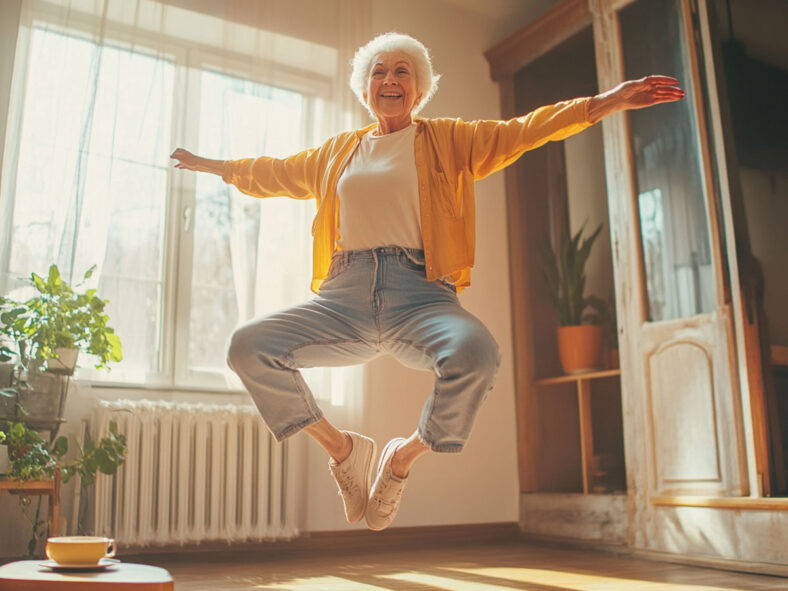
{"type": "Point", "coordinates": [372, 302]}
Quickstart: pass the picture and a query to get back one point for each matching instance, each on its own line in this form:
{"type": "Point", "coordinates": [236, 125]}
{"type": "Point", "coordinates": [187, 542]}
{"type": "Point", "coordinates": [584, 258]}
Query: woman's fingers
{"type": "Point", "coordinates": [659, 79]}
{"type": "Point", "coordinates": [184, 158]}
{"type": "Point", "coordinates": [653, 90]}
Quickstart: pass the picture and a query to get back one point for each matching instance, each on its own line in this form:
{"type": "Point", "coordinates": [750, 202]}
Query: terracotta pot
{"type": "Point", "coordinates": [580, 348]}
{"type": "Point", "coordinates": [611, 359]}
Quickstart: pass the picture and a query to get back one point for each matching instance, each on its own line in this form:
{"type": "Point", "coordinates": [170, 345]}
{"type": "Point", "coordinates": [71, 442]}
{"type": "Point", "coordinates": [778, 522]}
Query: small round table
{"type": "Point", "coordinates": [124, 576]}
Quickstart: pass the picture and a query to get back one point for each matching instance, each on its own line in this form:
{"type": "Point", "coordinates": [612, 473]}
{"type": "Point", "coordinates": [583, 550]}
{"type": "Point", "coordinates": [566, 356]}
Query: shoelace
{"type": "Point", "coordinates": [382, 490]}
{"type": "Point", "coordinates": [345, 481]}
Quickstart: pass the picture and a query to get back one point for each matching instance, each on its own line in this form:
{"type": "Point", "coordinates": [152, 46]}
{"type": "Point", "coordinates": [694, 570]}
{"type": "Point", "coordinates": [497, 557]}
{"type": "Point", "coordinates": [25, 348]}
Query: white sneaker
{"type": "Point", "coordinates": [386, 492]}
{"type": "Point", "coordinates": [354, 476]}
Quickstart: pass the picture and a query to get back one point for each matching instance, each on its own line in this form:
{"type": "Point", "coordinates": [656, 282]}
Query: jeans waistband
{"type": "Point", "coordinates": [416, 255]}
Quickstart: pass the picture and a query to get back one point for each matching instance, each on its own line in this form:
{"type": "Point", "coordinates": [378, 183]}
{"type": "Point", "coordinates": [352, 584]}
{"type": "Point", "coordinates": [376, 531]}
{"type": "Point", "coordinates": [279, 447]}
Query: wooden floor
{"type": "Point", "coordinates": [514, 566]}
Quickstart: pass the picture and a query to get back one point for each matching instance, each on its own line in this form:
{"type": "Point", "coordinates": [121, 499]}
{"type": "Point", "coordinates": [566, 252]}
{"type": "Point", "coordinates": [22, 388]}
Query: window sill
{"type": "Point", "coordinates": [156, 387]}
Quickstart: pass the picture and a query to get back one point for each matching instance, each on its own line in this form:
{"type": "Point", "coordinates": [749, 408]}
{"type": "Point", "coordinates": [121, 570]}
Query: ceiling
{"type": "Point", "coordinates": [503, 9]}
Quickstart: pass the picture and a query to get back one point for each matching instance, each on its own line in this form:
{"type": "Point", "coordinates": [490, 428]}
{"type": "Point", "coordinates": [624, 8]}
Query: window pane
{"type": "Point", "coordinates": [97, 119]}
{"type": "Point", "coordinates": [236, 237]}
{"type": "Point", "coordinates": [671, 200]}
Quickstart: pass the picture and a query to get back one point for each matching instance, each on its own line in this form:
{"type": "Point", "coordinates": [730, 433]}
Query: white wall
{"type": "Point", "coordinates": [587, 201]}
{"type": "Point", "coordinates": [479, 485]}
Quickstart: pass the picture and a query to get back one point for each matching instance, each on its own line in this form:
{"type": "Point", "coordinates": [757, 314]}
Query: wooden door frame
{"type": "Point", "coordinates": [505, 59]}
{"type": "Point", "coordinates": [630, 282]}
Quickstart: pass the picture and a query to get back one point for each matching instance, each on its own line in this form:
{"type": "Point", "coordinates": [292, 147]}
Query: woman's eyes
{"type": "Point", "coordinates": [399, 72]}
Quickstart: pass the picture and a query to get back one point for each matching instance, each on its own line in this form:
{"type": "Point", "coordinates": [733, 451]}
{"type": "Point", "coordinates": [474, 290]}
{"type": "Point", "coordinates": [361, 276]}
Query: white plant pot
{"type": "Point", "coordinates": [65, 362]}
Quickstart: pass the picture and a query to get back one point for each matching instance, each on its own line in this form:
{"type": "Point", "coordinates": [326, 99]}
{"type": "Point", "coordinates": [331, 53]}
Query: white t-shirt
{"type": "Point", "coordinates": [379, 194]}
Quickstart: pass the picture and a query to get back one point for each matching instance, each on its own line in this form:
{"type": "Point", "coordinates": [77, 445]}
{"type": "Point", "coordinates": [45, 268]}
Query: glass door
{"type": "Point", "coordinates": [680, 386]}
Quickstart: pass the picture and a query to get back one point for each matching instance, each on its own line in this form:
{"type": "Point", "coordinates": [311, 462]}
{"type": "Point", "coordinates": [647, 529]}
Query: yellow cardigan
{"type": "Point", "coordinates": [450, 155]}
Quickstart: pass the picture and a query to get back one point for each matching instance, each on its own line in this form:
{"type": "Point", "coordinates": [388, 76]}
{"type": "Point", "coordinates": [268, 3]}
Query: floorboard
{"type": "Point", "coordinates": [508, 567]}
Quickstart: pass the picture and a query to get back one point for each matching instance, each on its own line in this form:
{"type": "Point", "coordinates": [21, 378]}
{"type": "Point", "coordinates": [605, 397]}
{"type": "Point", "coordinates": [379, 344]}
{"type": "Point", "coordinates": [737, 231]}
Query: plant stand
{"type": "Point", "coordinates": [584, 411]}
{"type": "Point", "coordinates": [53, 418]}
{"type": "Point", "coordinates": [50, 488]}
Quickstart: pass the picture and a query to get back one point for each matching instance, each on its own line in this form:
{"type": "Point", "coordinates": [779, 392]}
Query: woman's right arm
{"type": "Point", "coordinates": [295, 176]}
{"type": "Point", "coordinates": [188, 161]}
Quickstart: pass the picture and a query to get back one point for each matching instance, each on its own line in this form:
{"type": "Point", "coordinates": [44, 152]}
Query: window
{"type": "Point", "coordinates": [182, 258]}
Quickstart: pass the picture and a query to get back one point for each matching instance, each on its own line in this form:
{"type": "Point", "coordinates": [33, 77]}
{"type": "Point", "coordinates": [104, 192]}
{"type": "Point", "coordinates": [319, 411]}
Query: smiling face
{"type": "Point", "coordinates": [391, 90]}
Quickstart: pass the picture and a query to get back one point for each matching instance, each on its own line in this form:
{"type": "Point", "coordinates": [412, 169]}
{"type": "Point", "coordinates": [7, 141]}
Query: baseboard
{"type": "Point", "coordinates": [340, 542]}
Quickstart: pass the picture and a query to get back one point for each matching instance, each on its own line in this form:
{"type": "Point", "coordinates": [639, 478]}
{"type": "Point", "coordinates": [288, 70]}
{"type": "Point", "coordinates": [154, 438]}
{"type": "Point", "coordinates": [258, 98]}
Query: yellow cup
{"type": "Point", "coordinates": [80, 550]}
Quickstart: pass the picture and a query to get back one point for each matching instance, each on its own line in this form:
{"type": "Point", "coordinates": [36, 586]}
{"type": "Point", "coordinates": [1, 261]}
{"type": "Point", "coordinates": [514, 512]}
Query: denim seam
{"type": "Point", "coordinates": [314, 412]}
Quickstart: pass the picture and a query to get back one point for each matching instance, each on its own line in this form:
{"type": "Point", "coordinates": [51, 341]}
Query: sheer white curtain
{"type": "Point", "coordinates": [102, 91]}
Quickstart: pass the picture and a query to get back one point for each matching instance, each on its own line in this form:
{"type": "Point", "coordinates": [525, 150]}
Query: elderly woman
{"type": "Point", "coordinates": [393, 245]}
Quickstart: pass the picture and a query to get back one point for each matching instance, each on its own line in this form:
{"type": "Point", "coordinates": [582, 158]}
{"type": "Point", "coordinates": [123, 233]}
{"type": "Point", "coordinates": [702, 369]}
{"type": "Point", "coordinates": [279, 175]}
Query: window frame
{"type": "Point", "coordinates": [189, 60]}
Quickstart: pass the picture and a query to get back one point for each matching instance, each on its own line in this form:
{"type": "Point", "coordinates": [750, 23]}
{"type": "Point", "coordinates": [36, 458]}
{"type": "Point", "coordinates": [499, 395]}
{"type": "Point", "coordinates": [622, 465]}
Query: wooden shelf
{"type": "Point", "coordinates": [583, 381]}
{"type": "Point", "coordinates": [591, 375]}
{"type": "Point", "coordinates": [51, 488]}
{"type": "Point", "coordinates": [31, 486]}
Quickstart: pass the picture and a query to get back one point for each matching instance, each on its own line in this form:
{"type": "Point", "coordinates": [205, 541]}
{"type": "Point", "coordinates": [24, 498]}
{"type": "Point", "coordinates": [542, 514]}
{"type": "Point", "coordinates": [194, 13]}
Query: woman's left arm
{"type": "Point", "coordinates": [634, 94]}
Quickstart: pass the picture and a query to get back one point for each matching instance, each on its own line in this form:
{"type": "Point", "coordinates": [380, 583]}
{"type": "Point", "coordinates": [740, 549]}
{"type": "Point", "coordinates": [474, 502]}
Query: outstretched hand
{"type": "Point", "coordinates": [648, 91]}
{"type": "Point", "coordinates": [188, 161]}
{"type": "Point", "coordinates": [635, 94]}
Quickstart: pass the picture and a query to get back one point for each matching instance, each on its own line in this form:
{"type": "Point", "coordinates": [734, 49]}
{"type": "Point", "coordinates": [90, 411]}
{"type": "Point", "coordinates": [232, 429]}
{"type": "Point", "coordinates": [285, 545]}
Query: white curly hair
{"type": "Point", "coordinates": [426, 79]}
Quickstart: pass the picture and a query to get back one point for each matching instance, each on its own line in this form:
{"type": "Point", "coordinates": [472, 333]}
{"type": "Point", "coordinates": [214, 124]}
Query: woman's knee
{"type": "Point", "coordinates": [476, 351]}
{"type": "Point", "coordinates": [247, 345]}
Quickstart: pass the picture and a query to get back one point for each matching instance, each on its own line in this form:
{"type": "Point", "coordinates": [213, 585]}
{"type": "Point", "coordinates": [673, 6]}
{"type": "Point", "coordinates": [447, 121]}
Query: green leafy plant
{"type": "Point", "coordinates": [10, 328]}
{"type": "Point", "coordinates": [564, 274]}
{"type": "Point", "coordinates": [33, 458]}
{"type": "Point", "coordinates": [58, 316]}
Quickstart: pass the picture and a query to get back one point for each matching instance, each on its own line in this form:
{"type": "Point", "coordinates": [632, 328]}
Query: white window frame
{"type": "Point", "coordinates": [189, 60]}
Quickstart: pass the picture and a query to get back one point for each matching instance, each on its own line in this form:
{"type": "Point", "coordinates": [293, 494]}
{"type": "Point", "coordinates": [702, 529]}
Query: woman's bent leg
{"type": "Point", "coordinates": [444, 337]}
{"type": "Point", "coordinates": [267, 354]}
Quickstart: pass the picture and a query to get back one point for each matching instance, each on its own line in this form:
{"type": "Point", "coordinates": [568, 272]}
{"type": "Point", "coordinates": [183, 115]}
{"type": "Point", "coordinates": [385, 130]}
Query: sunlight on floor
{"type": "Point", "coordinates": [446, 582]}
{"type": "Point", "coordinates": [576, 581]}
{"type": "Point", "coordinates": [322, 584]}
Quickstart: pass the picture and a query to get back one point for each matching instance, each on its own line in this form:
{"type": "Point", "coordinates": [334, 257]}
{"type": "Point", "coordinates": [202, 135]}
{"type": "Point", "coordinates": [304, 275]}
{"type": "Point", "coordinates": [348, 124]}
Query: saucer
{"type": "Point", "coordinates": [103, 564]}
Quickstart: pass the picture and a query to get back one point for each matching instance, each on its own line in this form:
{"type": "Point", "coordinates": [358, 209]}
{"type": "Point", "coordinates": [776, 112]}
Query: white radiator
{"type": "Point", "coordinates": [193, 473]}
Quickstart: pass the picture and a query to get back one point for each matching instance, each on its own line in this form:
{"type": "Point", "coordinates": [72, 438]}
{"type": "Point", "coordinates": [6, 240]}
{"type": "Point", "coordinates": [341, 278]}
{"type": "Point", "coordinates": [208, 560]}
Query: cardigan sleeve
{"type": "Point", "coordinates": [294, 176]}
{"type": "Point", "coordinates": [493, 145]}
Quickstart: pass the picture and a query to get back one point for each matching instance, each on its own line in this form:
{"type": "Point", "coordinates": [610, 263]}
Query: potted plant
{"type": "Point", "coordinates": [44, 334]}
{"type": "Point", "coordinates": [580, 334]}
{"type": "Point", "coordinates": [32, 458]}
{"type": "Point", "coordinates": [59, 321]}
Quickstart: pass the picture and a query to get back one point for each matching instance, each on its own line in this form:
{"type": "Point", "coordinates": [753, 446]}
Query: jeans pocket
{"type": "Point", "coordinates": [338, 265]}
{"type": "Point", "coordinates": [446, 285]}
